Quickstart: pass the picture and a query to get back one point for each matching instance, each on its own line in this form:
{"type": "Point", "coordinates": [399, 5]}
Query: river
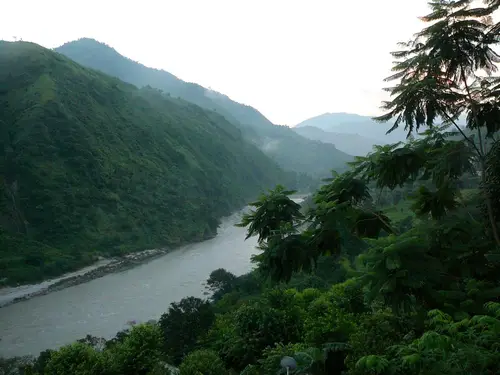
{"type": "Point", "coordinates": [103, 306]}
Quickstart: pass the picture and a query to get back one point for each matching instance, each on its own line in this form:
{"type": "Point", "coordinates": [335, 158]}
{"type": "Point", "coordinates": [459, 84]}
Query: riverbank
{"type": "Point", "coordinates": [11, 295]}
{"type": "Point", "coordinates": [104, 306]}
{"type": "Point", "coordinates": [103, 267]}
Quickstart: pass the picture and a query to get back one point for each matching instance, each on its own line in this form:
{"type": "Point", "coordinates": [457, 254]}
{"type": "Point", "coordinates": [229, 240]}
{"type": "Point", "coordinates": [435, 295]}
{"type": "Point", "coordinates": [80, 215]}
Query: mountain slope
{"type": "Point", "coordinates": [292, 151]}
{"type": "Point", "coordinates": [91, 163]}
{"type": "Point", "coordinates": [356, 130]}
{"type": "Point", "coordinates": [353, 144]}
{"type": "Point", "coordinates": [355, 124]}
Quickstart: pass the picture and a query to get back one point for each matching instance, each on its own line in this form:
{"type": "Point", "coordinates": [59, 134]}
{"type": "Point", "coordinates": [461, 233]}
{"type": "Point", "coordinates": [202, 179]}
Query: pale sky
{"type": "Point", "coordinates": [291, 60]}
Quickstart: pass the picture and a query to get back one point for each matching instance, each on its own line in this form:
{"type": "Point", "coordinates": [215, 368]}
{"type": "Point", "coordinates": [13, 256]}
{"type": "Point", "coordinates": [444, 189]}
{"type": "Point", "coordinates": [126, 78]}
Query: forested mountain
{"type": "Point", "coordinates": [353, 144]}
{"type": "Point", "coordinates": [91, 164]}
{"type": "Point", "coordinates": [292, 151]}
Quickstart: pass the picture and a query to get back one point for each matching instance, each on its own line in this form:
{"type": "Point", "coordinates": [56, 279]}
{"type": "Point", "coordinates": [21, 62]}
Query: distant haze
{"type": "Point", "coordinates": [292, 60]}
{"type": "Point", "coordinates": [355, 124]}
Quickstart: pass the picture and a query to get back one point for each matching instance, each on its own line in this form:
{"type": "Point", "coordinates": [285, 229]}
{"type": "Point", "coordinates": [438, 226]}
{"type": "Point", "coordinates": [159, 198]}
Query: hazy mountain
{"type": "Point", "coordinates": [292, 151]}
{"type": "Point", "coordinates": [353, 144]}
{"type": "Point", "coordinates": [91, 164]}
{"type": "Point", "coordinates": [363, 126]}
{"type": "Point", "coordinates": [348, 123]}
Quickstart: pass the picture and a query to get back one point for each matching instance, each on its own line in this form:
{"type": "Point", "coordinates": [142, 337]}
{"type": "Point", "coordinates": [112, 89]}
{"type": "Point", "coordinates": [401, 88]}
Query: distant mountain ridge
{"type": "Point", "coordinates": [353, 144]}
{"type": "Point", "coordinates": [349, 123]}
{"type": "Point", "coordinates": [355, 134]}
{"type": "Point", "coordinates": [100, 56]}
{"type": "Point", "coordinates": [292, 151]}
{"type": "Point", "coordinates": [340, 118]}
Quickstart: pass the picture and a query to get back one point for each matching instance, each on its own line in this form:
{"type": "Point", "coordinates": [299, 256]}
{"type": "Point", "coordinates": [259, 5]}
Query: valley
{"type": "Point", "coordinates": [98, 157]}
{"type": "Point", "coordinates": [93, 166]}
{"type": "Point", "coordinates": [154, 226]}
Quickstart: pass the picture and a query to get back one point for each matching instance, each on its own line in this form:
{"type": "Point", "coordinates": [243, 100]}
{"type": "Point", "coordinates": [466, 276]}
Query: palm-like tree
{"type": "Point", "coordinates": [275, 220]}
{"type": "Point", "coordinates": [446, 71]}
{"type": "Point", "coordinates": [273, 212]}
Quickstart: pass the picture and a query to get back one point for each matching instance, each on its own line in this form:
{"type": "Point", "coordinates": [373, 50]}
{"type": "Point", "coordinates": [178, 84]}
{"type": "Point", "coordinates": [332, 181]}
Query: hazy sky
{"type": "Point", "coordinates": [290, 59]}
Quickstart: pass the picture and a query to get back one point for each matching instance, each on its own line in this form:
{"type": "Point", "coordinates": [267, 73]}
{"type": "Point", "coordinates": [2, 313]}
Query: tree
{"type": "Point", "coordinates": [273, 211]}
{"type": "Point", "coordinates": [276, 222]}
{"type": "Point", "coordinates": [220, 282]}
{"type": "Point", "coordinates": [205, 362]}
{"type": "Point", "coordinates": [78, 359]}
{"type": "Point", "coordinates": [41, 362]}
{"type": "Point", "coordinates": [16, 365]}
{"type": "Point", "coordinates": [440, 75]}
{"type": "Point", "coordinates": [97, 343]}
{"type": "Point", "coordinates": [400, 271]}
{"type": "Point", "coordinates": [283, 254]}
{"type": "Point", "coordinates": [435, 160]}
{"type": "Point", "coordinates": [343, 207]}
{"type": "Point", "coordinates": [468, 346]}
{"type": "Point", "coordinates": [183, 324]}
{"type": "Point", "coordinates": [139, 352]}
{"type": "Point", "coordinates": [241, 336]}
{"type": "Point", "coordinates": [341, 212]}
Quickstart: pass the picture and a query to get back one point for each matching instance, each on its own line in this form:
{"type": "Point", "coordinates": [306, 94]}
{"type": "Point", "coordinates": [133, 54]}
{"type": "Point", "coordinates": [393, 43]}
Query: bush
{"type": "Point", "coordinates": [205, 362]}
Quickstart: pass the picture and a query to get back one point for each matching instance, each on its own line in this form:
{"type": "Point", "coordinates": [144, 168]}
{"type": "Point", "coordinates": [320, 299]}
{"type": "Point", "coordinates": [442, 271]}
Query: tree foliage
{"type": "Point", "coordinates": [183, 324]}
{"type": "Point", "coordinates": [202, 362]}
{"type": "Point", "coordinates": [446, 71]}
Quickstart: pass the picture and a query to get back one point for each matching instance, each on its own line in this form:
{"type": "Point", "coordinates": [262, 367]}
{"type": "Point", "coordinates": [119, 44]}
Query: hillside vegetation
{"type": "Point", "coordinates": [90, 165]}
{"type": "Point", "coordinates": [292, 151]}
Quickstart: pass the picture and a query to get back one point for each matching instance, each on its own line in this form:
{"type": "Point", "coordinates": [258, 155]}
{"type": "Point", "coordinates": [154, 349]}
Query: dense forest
{"type": "Point", "coordinates": [91, 166]}
{"type": "Point", "coordinates": [290, 150]}
{"type": "Point", "coordinates": [391, 268]}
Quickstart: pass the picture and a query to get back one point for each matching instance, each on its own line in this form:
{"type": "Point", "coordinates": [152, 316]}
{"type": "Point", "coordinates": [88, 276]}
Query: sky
{"type": "Point", "coordinates": [291, 60]}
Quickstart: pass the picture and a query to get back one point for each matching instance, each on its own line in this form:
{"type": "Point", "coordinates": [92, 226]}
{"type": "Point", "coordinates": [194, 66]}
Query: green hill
{"type": "Point", "coordinates": [292, 151]}
{"type": "Point", "coordinates": [90, 164]}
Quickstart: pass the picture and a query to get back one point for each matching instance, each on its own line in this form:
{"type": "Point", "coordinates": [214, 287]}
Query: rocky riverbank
{"type": "Point", "coordinates": [113, 265]}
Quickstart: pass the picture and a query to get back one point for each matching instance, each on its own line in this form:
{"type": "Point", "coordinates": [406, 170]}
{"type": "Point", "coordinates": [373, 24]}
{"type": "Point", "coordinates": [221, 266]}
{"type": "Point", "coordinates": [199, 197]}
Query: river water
{"type": "Point", "coordinates": [103, 306]}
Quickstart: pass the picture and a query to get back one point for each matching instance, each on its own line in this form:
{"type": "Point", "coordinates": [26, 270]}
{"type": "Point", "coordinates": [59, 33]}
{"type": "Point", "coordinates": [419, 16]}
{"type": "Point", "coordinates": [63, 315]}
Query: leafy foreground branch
{"type": "Point", "coordinates": [446, 71]}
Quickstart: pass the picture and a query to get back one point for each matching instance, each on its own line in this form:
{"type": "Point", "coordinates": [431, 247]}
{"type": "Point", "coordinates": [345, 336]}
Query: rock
{"type": "Point", "coordinates": [117, 265]}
